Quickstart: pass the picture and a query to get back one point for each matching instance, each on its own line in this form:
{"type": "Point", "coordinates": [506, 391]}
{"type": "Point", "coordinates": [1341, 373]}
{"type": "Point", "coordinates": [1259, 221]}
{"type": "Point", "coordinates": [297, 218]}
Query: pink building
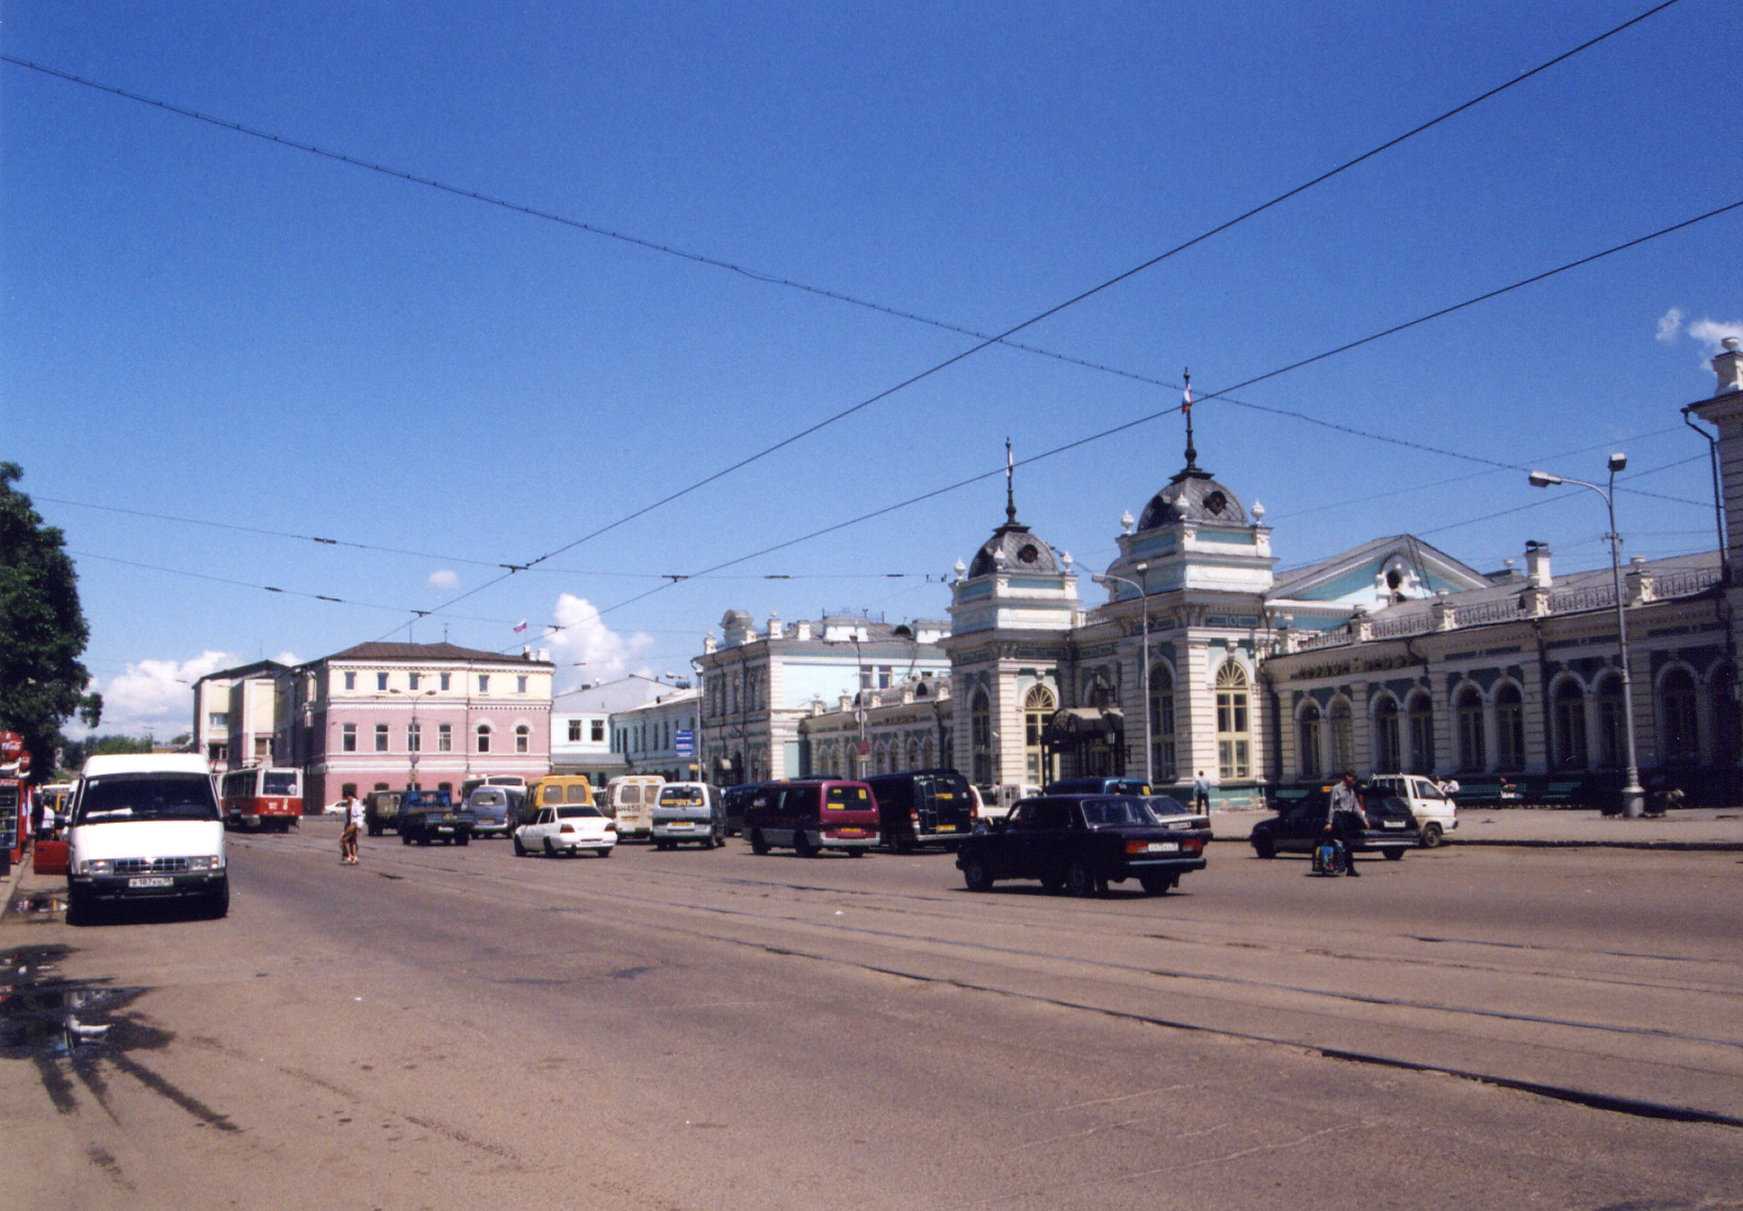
{"type": "Point", "coordinates": [382, 716]}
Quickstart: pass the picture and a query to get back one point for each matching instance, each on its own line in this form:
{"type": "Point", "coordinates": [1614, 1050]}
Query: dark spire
{"type": "Point", "coordinates": [1191, 470]}
{"type": "Point", "coordinates": [1010, 486]}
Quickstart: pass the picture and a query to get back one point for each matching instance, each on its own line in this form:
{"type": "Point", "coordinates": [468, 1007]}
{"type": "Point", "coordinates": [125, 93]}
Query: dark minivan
{"type": "Point", "coordinates": [923, 807]}
{"type": "Point", "coordinates": [812, 815]}
{"type": "Point", "coordinates": [736, 799]}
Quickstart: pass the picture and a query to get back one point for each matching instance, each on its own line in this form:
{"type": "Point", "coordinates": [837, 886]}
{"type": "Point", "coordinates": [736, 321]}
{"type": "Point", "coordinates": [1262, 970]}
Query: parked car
{"type": "Point", "coordinates": [1435, 814]}
{"type": "Point", "coordinates": [426, 816]}
{"type": "Point", "coordinates": [689, 812]}
{"type": "Point", "coordinates": [145, 826]}
{"type": "Point", "coordinates": [1391, 828]}
{"type": "Point", "coordinates": [568, 829]}
{"type": "Point", "coordinates": [493, 810]}
{"type": "Point", "coordinates": [923, 807]}
{"type": "Point", "coordinates": [381, 811]}
{"type": "Point", "coordinates": [1098, 786]}
{"type": "Point", "coordinates": [813, 815]}
{"type": "Point", "coordinates": [1084, 842]}
{"type": "Point", "coordinates": [735, 800]}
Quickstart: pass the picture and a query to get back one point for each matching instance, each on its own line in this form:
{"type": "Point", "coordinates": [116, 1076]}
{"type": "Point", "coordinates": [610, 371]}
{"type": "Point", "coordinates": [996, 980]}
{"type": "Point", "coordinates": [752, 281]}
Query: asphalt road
{"type": "Point", "coordinates": [444, 1027]}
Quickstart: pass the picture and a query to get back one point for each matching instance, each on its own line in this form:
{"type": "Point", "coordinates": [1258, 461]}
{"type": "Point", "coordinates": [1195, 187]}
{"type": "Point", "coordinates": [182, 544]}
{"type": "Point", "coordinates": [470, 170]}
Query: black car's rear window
{"type": "Point", "coordinates": [147, 796]}
{"type": "Point", "coordinates": [1116, 811]}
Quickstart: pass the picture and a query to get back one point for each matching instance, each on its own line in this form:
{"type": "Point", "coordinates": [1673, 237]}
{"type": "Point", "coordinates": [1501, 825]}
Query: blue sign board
{"type": "Point", "coordinates": [684, 742]}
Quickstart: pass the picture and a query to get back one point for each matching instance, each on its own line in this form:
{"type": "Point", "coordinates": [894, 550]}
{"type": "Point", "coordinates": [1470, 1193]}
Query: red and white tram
{"type": "Point", "coordinates": [260, 796]}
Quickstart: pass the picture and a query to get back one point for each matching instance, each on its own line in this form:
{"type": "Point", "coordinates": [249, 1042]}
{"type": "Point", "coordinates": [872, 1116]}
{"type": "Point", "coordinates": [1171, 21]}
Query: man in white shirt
{"type": "Point", "coordinates": [1345, 799]}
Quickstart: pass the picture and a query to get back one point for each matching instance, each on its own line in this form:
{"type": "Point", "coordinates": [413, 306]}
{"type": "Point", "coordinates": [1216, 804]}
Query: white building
{"type": "Point", "coordinates": [581, 739]}
{"type": "Point", "coordinates": [240, 715]}
{"type": "Point", "coordinates": [647, 738]}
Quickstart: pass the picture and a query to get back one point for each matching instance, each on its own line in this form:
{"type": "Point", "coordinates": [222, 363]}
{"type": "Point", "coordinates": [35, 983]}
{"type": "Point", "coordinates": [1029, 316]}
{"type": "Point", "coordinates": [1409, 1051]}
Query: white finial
{"type": "Point", "coordinates": [1127, 522]}
{"type": "Point", "coordinates": [960, 568]}
{"type": "Point", "coordinates": [1258, 511]}
{"type": "Point", "coordinates": [1065, 559]}
{"type": "Point", "coordinates": [999, 557]}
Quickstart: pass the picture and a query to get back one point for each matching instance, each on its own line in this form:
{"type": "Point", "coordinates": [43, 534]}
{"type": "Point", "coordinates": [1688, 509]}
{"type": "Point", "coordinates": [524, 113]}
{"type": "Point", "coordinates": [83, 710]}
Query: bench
{"type": "Point", "coordinates": [1562, 793]}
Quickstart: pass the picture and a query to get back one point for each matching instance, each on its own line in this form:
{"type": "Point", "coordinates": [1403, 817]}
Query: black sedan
{"type": "Point", "coordinates": [1390, 830]}
{"type": "Point", "coordinates": [1081, 843]}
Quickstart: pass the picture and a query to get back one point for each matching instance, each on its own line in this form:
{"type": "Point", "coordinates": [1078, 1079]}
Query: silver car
{"type": "Point", "coordinates": [689, 812]}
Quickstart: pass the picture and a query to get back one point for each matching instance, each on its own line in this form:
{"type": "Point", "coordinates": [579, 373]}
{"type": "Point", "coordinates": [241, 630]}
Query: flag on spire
{"type": "Point", "coordinates": [1186, 396]}
{"type": "Point", "coordinates": [520, 626]}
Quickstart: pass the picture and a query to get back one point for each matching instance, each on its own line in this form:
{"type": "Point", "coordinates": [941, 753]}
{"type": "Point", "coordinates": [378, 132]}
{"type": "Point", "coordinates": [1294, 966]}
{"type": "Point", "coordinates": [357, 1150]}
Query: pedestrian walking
{"type": "Point", "coordinates": [353, 809]}
{"type": "Point", "coordinates": [45, 828]}
{"type": "Point", "coordinates": [1345, 799]}
{"type": "Point", "coordinates": [1201, 792]}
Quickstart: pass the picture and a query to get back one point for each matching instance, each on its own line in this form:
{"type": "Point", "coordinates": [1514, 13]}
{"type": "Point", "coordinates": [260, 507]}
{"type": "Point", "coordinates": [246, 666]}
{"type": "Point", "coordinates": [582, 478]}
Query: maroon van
{"type": "Point", "coordinates": [812, 815]}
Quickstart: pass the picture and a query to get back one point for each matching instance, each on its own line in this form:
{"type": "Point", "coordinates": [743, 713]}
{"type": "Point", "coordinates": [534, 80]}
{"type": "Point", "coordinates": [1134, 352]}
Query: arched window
{"type": "Point", "coordinates": [1307, 740]}
{"type": "Point", "coordinates": [914, 752]}
{"type": "Point", "coordinates": [483, 744]}
{"type": "Point", "coordinates": [1568, 716]}
{"type": "Point", "coordinates": [1162, 723]}
{"type": "Point", "coordinates": [980, 722]}
{"type": "Point", "coordinates": [523, 736]}
{"type": "Point", "coordinates": [1510, 727]}
{"type": "Point", "coordinates": [1386, 747]}
{"type": "Point", "coordinates": [1233, 742]}
{"type": "Point", "coordinates": [1038, 707]}
{"type": "Point", "coordinates": [928, 758]}
{"type": "Point", "coordinates": [1343, 738]}
{"type": "Point", "coordinates": [1680, 718]}
{"type": "Point", "coordinates": [1420, 714]}
{"type": "Point", "coordinates": [1611, 746]}
{"type": "Point", "coordinates": [1473, 746]}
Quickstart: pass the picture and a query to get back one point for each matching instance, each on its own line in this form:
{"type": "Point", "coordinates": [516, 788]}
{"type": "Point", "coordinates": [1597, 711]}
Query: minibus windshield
{"type": "Point", "coordinates": [147, 796]}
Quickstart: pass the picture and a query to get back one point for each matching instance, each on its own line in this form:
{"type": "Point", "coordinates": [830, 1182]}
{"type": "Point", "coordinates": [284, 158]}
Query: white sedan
{"type": "Point", "coordinates": [567, 830]}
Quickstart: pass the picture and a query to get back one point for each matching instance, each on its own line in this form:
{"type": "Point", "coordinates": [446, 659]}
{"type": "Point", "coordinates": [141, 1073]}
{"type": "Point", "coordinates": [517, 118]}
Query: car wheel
{"type": "Point", "coordinates": [78, 907]}
{"type": "Point", "coordinates": [975, 875]}
{"type": "Point", "coordinates": [463, 839]}
{"type": "Point", "coordinates": [604, 853]}
{"type": "Point", "coordinates": [520, 851]}
{"type": "Point", "coordinates": [1156, 885]}
{"type": "Point", "coordinates": [904, 842]}
{"type": "Point", "coordinates": [1080, 880]}
{"type": "Point", "coordinates": [550, 850]}
{"type": "Point", "coordinates": [1430, 835]}
{"type": "Point", "coordinates": [375, 830]}
{"type": "Point", "coordinates": [218, 903]}
{"type": "Point", "coordinates": [759, 844]}
{"type": "Point", "coordinates": [856, 853]}
{"type": "Point", "coordinates": [802, 844]}
{"type": "Point", "coordinates": [1395, 855]}
{"type": "Point", "coordinates": [1264, 847]}
{"type": "Point", "coordinates": [405, 838]}
{"type": "Point", "coordinates": [1052, 884]}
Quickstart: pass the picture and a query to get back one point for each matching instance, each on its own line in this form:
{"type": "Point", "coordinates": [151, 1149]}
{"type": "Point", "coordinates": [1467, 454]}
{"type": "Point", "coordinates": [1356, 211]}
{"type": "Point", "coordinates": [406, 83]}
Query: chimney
{"type": "Point", "coordinates": [774, 626]}
{"type": "Point", "coordinates": [804, 630]}
{"type": "Point", "coordinates": [1537, 564]}
{"type": "Point", "coordinates": [1729, 367]}
{"type": "Point", "coordinates": [709, 644]}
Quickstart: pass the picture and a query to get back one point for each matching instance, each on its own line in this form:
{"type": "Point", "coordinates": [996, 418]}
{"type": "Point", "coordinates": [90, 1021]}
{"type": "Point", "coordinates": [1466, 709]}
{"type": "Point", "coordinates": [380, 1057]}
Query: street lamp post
{"type": "Point", "coordinates": [1144, 673]}
{"type": "Point", "coordinates": [1633, 794]}
{"type": "Point", "coordinates": [418, 744]}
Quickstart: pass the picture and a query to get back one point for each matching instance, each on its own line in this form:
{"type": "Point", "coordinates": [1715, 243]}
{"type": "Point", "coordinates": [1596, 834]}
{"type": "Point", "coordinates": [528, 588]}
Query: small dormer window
{"type": "Point", "coordinates": [1215, 503]}
{"type": "Point", "coordinates": [1394, 578]}
{"type": "Point", "coordinates": [1029, 553]}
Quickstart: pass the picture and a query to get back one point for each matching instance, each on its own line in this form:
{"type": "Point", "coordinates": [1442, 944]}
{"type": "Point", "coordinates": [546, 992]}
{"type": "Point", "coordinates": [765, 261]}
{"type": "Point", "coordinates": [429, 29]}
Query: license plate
{"type": "Point", "coordinates": [1163, 847]}
{"type": "Point", "coordinates": [679, 824]}
{"type": "Point", "coordinates": [1392, 824]}
{"type": "Point", "coordinates": [947, 828]}
{"type": "Point", "coordinates": [151, 881]}
{"type": "Point", "coordinates": [444, 828]}
{"type": "Point", "coordinates": [850, 832]}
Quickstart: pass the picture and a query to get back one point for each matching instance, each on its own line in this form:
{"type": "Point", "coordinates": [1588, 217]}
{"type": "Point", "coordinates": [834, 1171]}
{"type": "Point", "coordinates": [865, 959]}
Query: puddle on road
{"type": "Point", "coordinates": [80, 1033]}
{"type": "Point", "coordinates": [39, 905]}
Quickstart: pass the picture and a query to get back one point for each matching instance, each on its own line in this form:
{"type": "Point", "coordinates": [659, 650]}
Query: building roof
{"type": "Point", "coordinates": [1294, 582]}
{"type": "Point", "coordinates": [610, 697]}
{"type": "Point", "coordinates": [425, 651]}
{"type": "Point", "coordinates": [1193, 496]}
{"type": "Point", "coordinates": [245, 670]}
{"type": "Point", "coordinates": [673, 696]}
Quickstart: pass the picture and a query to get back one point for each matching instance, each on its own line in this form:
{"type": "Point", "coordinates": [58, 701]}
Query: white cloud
{"type": "Point", "coordinates": [1711, 332]}
{"type": "Point", "coordinates": [1669, 324]}
{"type": "Point", "coordinates": [608, 654]}
{"type": "Point", "coordinates": [157, 695]}
{"type": "Point", "coordinates": [288, 657]}
{"type": "Point", "coordinates": [444, 579]}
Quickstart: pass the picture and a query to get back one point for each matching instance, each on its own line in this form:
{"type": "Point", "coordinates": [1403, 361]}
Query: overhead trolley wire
{"type": "Point", "coordinates": [981, 344]}
{"type": "Point", "coordinates": [1394, 329]}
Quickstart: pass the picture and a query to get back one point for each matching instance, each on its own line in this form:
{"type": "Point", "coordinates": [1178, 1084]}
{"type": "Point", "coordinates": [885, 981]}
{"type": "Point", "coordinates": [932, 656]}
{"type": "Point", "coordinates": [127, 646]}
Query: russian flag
{"type": "Point", "coordinates": [520, 626]}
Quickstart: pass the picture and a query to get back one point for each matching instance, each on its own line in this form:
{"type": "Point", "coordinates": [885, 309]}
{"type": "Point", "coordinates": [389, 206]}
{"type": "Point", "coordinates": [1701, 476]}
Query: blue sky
{"type": "Point", "coordinates": [210, 326]}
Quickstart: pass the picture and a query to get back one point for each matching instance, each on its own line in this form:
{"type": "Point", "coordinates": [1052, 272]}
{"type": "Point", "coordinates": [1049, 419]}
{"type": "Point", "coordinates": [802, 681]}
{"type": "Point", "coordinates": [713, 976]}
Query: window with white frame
{"type": "Point", "coordinates": [446, 680]}
{"type": "Point", "coordinates": [483, 745]}
{"type": "Point", "coordinates": [484, 683]}
{"type": "Point", "coordinates": [218, 719]}
{"type": "Point", "coordinates": [381, 681]}
{"type": "Point", "coordinates": [574, 730]}
{"type": "Point", "coordinates": [1233, 739]}
{"type": "Point", "coordinates": [414, 739]}
{"type": "Point", "coordinates": [381, 737]}
{"type": "Point", "coordinates": [520, 683]}
{"type": "Point", "coordinates": [415, 679]}
{"type": "Point", "coordinates": [350, 681]}
{"type": "Point", "coordinates": [523, 736]}
{"type": "Point", "coordinates": [598, 730]}
{"type": "Point", "coordinates": [444, 737]}
{"type": "Point", "coordinates": [348, 738]}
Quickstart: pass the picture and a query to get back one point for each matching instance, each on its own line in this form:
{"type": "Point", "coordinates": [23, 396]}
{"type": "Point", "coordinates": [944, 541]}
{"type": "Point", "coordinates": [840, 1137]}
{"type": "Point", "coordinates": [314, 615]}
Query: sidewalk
{"type": "Point", "coordinates": [23, 884]}
{"type": "Point", "coordinates": [1713, 829]}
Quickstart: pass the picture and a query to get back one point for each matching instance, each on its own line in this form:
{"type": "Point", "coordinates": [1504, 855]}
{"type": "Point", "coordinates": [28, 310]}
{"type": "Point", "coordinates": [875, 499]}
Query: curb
{"type": "Point", "coordinates": [14, 878]}
{"type": "Point", "coordinates": [1700, 847]}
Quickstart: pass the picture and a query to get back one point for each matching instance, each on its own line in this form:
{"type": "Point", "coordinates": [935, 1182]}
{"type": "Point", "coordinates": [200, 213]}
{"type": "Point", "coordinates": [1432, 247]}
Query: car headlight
{"type": "Point", "coordinates": [96, 866]}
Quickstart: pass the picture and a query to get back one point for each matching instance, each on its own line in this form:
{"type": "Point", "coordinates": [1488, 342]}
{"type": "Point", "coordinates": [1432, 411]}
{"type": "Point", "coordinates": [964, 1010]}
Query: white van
{"type": "Point", "coordinates": [996, 802]}
{"type": "Point", "coordinates": [145, 826]}
{"type": "Point", "coordinates": [630, 800]}
{"type": "Point", "coordinates": [1435, 813]}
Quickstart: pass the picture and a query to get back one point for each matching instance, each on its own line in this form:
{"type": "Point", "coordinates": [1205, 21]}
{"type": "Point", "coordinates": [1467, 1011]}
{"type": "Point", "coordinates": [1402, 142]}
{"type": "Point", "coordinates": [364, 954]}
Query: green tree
{"type": "Point", "coordinates": [42, 630]}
